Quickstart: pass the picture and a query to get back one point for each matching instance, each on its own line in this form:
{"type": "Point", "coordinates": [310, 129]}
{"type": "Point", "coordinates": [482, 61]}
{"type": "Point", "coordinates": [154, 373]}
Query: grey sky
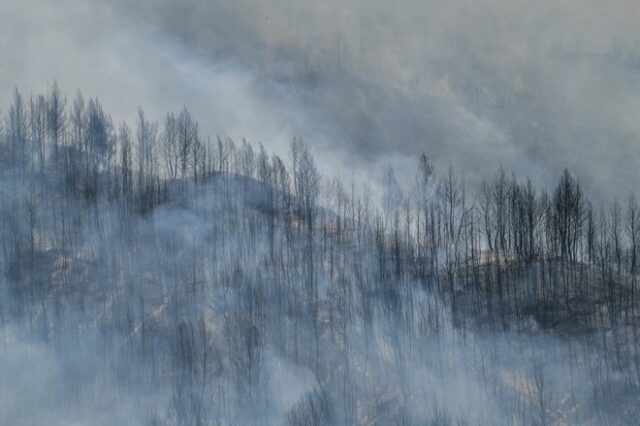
{"type": "Point", "coordinates": [534, 86]}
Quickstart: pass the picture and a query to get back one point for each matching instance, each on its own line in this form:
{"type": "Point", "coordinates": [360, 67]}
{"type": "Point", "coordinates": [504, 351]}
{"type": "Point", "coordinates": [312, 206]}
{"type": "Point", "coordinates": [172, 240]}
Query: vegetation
{"type": "Point", "coordinates": [175, 279]}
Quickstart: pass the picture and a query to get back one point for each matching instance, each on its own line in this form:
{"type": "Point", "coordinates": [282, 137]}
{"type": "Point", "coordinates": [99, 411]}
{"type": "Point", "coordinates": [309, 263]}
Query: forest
{"type": "Point", "coordinates": [151, 274]}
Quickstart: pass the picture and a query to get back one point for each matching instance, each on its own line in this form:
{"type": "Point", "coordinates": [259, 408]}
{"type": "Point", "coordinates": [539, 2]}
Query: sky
{"type": "Point", "coordinates": [530, 86]}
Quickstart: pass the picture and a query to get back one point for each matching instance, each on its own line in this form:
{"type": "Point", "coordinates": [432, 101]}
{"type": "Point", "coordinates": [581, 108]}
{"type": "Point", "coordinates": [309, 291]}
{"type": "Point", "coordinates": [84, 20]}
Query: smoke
{"type": "Point", "coordinates": [532, 87]}
{"type": "Point", "coordinates": [105, 345]}
{"type": "Point", "coordinates": [46, 384]}
{"type": "Point", "coordinates": [126, 64]}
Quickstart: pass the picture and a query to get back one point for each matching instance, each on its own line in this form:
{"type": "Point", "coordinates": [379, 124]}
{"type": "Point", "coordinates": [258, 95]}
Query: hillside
{"type": "Point", "coordinates": [151, 277]}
